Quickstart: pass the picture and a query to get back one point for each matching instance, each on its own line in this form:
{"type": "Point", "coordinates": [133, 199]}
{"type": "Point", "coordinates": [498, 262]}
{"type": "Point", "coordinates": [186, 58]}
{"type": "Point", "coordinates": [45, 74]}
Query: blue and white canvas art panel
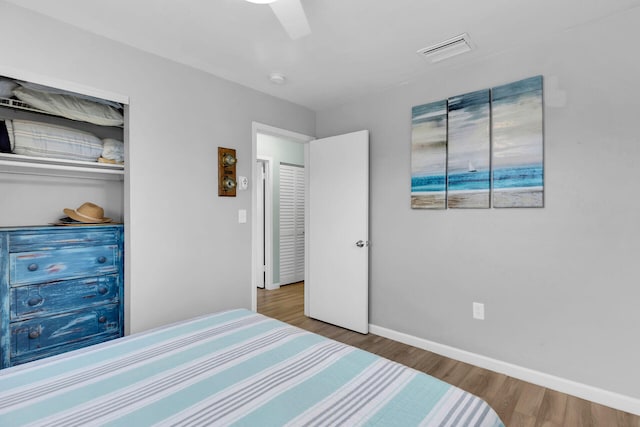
{"type": "Point", "coordinates": [469, 148]}
{"type": "Point", "coordinates": [517, 131]}
{"type": "Point", "coordinates": [429, 155]}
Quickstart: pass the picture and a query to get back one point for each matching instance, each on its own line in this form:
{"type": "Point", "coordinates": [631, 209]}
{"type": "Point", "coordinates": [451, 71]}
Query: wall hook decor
{"type": "Point", "coordinates": [227, 172]}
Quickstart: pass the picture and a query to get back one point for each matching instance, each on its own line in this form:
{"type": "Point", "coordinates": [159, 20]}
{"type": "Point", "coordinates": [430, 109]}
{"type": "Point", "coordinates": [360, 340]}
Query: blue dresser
{"type": "Point", "coordinates": [61, 288]}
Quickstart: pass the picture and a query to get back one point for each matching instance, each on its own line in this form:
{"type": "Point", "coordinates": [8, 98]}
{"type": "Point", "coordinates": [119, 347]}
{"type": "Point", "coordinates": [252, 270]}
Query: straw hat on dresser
{"type": "Point", "coordinates": [88, 213]}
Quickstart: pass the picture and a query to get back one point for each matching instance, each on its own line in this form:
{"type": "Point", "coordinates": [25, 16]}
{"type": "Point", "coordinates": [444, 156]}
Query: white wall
{"type": "Point", "coordinates": [186, 252]}
{"type": "Point", "coordinates": [560, 284]}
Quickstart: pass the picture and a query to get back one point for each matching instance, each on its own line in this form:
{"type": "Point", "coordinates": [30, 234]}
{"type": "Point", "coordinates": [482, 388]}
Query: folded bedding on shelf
{"type": "Point", "coordinates": [71, 107]}
{"type": "Point", "coordinates": [48, 89]}
{"type": "Point", "coordinates": [45, 140]}
{"type": "Point", "coordinates": [112, 149]}
{"type": "Point", "coordinates": [6, 87]}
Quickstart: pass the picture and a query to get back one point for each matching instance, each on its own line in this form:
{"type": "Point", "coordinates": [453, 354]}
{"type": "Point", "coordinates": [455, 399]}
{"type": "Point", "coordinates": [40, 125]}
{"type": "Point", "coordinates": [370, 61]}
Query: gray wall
{"type": "Point", "coordinates": [560, 284]}
{"type": "Point", "coordinates": [186, 252]}
{"type": "Point", "coordinates": [280, 151]}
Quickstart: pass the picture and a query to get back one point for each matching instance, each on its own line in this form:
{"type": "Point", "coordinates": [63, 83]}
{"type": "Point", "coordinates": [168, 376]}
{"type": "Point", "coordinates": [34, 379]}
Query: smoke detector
{"type": "Point", "coordinates": [447, 49]}
{"type": "Point", "coordinates": [277, 78]}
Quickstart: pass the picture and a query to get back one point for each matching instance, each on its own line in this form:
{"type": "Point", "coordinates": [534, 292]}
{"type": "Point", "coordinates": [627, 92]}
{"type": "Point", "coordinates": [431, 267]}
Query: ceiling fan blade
{"type": "Point", "coordinates": [292, 17]}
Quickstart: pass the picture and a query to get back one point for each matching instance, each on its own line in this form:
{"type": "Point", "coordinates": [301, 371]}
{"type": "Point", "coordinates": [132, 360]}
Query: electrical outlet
{"type": "Point", "coordinates": [478, 310]}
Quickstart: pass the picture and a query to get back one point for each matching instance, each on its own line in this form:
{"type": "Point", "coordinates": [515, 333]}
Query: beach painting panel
{"type": "Point", "coordinates": [469, 146]}
{"type": "Point", "coordinates": [429, 156]}
{"type": "Point", "coordinates": [517, 133]}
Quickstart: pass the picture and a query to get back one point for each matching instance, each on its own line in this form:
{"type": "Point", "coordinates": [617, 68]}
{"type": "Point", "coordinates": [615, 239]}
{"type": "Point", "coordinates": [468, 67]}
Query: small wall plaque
{"type": "Point", "coordinates": [227, 172]}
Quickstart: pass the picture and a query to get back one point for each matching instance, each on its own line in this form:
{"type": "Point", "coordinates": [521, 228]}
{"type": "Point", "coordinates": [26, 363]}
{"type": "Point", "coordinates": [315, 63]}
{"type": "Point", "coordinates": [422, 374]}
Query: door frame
{"type": "Point", "coordinates": [268, 222]}
{"type": "Point", "coordinates": [257, 128]}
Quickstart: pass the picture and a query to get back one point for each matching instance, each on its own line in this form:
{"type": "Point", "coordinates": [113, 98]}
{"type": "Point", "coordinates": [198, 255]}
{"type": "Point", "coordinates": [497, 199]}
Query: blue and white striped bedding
{"type": "Point", "coordinates": [230, 368]}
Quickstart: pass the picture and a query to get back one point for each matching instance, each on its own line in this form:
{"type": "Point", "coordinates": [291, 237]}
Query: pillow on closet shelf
{"type": "Point", "coordinates": [5, 143]}
{"type": "Point", "coordinates": [112, 149]}
{"type": "Point", "coordinates": [9, 125]}
{"type": "Point", "coordinates": [47, 89]}
{"type": "Point", "coordinates": [6, 87]}
{"type": "Point", "coordinates": [44, 140]}
{"type": "Point", "coordinates": [70, 107]}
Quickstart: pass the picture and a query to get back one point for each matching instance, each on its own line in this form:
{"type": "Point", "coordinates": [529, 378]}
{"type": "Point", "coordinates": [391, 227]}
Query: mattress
{"type": "Point", "coordinates": [230, 368]}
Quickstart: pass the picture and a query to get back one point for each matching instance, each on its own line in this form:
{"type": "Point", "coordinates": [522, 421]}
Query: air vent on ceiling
{"type": "Point", "coordinates": [446, 49]}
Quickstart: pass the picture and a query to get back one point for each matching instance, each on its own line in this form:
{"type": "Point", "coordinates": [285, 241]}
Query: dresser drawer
{"type": "Point", "coordinates": [62, 238]}
{"type": "Point", "coordinates": [59, 297]}
{"type": "Point", "coordinates": [42, 335]}
{"type": "Point", "coordinates": [59, 264]}
{"type": "Point", "coordinates": [35, 355]}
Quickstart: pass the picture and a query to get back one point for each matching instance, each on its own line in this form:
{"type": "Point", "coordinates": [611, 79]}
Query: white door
{"type": "Point", "coordinates": [337, 280]}
{"type": "Point", "coordinates": [291, 224]}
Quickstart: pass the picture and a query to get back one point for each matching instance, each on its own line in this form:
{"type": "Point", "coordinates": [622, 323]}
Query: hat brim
{"type": "Point", "coordinates": [71, 213]}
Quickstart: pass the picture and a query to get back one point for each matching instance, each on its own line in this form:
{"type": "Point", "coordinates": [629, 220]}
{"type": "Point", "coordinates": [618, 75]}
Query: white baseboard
{"type": "Point", "coordinates": [584, 391]}
{"type": "Point", "coordinates": [272, 286]}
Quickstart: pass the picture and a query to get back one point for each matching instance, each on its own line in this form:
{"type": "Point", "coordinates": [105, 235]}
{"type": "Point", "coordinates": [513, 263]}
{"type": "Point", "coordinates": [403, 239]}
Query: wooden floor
{"type": "Point", "coordinates": [517, 402]}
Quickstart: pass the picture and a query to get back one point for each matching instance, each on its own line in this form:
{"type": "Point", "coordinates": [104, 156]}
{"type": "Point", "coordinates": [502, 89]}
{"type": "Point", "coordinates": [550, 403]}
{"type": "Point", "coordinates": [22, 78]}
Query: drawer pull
{"type": "Point", "coordinates": [34, 301]}
{"type": "Point", "coordinates": [34, 334]}
{"type": "Point", "coordinates": [102, 259]}
{"type": "Point", "coordinates": [103, 290]}
{"type": "Point", "coordinates": [102, 319]}
{"type": "Point", "coordinates": [32, 267]}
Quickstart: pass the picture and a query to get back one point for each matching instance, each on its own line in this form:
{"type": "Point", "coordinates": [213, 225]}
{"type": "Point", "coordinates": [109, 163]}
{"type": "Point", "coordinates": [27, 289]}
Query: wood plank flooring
{"type": "Point", "coordinates": [517, 402]}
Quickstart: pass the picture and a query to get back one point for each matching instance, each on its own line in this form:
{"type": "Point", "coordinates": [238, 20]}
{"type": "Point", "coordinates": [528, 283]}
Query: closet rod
{"type": "Point", "coordinates": [111, 177]}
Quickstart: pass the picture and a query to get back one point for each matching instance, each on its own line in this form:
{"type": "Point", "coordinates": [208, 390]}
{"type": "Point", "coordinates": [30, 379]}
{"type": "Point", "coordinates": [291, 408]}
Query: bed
{"type": "Point", "coordinates": [230, 368]}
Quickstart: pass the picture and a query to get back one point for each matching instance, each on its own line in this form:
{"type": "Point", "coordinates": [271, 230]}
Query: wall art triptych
{"type": "Point", "coordinates": [479, 149]}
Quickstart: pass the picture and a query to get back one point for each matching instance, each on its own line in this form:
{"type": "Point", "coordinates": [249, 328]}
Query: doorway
{"type": "Point", "coordinates": [272, 148]}
{"type": "Point", "coordinates": [339, 242]}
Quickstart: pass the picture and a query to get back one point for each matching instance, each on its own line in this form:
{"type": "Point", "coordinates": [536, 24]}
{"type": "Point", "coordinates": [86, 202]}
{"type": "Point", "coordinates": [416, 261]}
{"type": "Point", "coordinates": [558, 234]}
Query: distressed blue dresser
{"type": "Point", "coordinates": [61, 288]}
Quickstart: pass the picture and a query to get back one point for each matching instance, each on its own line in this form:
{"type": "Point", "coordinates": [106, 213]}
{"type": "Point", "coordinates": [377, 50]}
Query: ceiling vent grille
{"type": "Point", "coordinates": [446, 49]}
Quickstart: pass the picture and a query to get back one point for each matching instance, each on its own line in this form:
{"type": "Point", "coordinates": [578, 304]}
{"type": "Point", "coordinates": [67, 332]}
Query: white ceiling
{"type": "Point", "coordinates": [356, 46]}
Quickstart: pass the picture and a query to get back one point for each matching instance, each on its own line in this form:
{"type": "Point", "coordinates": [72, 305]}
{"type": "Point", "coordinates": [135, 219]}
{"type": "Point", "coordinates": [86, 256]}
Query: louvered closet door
{"type": "Point", "coordinates": [291, 224]}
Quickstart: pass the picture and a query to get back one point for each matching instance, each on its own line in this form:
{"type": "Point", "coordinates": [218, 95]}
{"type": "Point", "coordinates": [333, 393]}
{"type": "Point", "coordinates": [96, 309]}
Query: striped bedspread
{"type": "Point", "coordinates": [230, 368]}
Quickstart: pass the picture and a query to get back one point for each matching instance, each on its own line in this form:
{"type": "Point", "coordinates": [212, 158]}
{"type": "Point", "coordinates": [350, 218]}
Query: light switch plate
{"type": "Point", "coordinates": [478, 310]}
{"type": "Point", "coordinates": [242, 216]}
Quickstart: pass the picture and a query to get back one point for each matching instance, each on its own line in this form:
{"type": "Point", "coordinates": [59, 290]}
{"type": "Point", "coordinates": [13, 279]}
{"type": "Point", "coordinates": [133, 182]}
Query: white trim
{"type": "Point", "coordinates": [261, 263]}
{"type": "Point", "coordinates": [307, 213]}
{"type": "Point", "coordinates": [268, 219]}
{"type": "Point", "coordinates": [273, 286]}
{"type": "Point", "coordinates": [62, 84]}
{"type": "Point", "coordinates": [563, 385]}
{"type": "Point", "coordinates": [256, 128]}
{"type": "Point", "coordinates": [282, 133]}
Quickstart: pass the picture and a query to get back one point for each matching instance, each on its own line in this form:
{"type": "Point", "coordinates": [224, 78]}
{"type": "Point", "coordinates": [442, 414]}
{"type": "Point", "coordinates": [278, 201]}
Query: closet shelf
{"type": "Point", "coordinates": [19, 164]}
{"type": "Point", "coordinates": [14, 103]}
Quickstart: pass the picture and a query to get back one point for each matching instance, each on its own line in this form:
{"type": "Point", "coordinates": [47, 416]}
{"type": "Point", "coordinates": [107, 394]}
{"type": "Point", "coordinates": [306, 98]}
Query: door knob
{"type": "Point", "coordinates": [361, 243]}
